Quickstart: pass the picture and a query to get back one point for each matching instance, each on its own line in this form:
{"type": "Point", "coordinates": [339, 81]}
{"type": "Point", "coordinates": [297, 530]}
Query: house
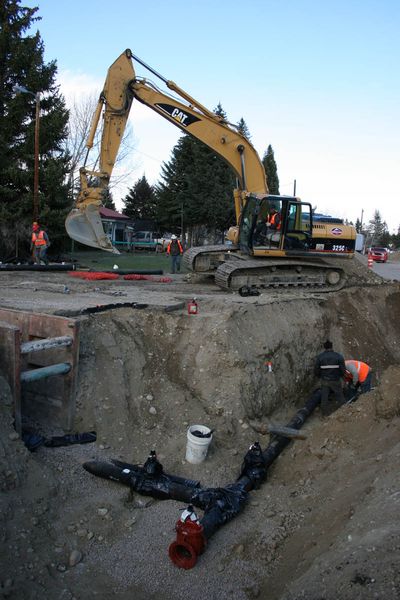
{"type": "Point", "coordinates": [115, 225]}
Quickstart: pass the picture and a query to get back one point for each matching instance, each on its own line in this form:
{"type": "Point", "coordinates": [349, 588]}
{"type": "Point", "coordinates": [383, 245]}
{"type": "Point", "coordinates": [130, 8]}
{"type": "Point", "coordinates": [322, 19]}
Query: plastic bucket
{"type": "Point", "coordinates": [197, 447]}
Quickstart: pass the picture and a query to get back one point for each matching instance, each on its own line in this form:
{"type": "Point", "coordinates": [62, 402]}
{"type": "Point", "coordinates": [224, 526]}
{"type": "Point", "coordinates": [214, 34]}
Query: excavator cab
{"type": "Point", "coordinates": [275, 225]}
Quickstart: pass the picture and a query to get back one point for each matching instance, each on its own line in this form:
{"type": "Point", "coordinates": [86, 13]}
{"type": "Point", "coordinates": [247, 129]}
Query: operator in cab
{"type": "Point", "coordinates": [273, 221]}
{"type": "Point", "coordinates": [268, 230]}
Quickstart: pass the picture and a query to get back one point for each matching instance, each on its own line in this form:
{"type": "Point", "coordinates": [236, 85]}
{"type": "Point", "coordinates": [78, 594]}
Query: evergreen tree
{"type": "Point", "coordinates": [108, 201]}
{"type": "Point", "coordinates": [21, 63]}
{"type": "Point", "coordinates": [140, 202]}
{"type": "Point", "coordinates": [395, 238]}
{"type": "Point", "coordinates": [358, 226]}
{"type": "Point", "coordinates": [195, 193]}
{"type": "Point", "coordinates": [271, 171]}
{"type": "Point", "coordinates": [377, 230]}
{"type": "Point", "coordinates": [243, 129]}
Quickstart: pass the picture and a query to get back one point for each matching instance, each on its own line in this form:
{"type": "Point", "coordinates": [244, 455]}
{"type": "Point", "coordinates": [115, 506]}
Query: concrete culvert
{"type": "Point", "coordinates": [324, 523]}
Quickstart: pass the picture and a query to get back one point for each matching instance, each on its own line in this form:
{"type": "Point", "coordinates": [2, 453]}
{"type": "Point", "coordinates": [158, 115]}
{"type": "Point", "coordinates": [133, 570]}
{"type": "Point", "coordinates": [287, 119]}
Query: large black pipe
{"type": "Point", "coordinates": [135, 272]}
{"type": "Point", "coordinates": [220, 505]}
{"type": "Point", "coordinates": [52, 267]}
{"type": "Point", "coordinates": [148, 480]}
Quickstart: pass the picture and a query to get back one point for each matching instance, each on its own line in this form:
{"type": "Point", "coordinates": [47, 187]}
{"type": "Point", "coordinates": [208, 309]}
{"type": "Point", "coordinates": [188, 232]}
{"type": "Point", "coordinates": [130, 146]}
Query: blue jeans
{"type": "Point", "coordinates": [39, 253]}
{"type": "Point", "coordinates": [175, 263]}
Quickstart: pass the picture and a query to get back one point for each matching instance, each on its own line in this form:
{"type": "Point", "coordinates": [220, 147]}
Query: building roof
{"type": "Point", "coordinates": [107, 213]}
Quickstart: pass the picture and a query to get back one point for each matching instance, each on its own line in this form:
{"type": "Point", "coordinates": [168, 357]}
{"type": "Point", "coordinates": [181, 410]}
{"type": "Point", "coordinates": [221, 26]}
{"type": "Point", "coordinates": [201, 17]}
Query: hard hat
{"type": "Point", "coordinates": [173, 237]}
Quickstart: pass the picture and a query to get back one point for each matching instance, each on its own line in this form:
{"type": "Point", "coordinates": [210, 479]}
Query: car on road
{"type": "Point", "coordinates": [379, 254]}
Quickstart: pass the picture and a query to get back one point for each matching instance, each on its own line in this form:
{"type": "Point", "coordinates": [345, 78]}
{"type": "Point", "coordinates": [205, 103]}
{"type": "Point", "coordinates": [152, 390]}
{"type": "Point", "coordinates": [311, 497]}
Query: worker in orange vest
{"type": "Point", "coordinates": [175, 251]}
{"type": "Point", "coordinates": [273, 219]}
{"type": "Point", "coordinates": [358, 375]}
{"type": "Point", "coordinates": [39, 244]}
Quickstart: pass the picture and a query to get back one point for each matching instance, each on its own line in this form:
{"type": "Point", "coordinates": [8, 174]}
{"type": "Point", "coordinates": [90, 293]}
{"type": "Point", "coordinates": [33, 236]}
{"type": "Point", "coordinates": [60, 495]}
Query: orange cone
{"type": "Point", "coordinates": [370, 261]}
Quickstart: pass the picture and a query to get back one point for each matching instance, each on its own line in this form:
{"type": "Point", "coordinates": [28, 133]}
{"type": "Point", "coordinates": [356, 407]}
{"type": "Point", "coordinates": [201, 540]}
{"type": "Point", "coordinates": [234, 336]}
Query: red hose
{"type": "Point", "coordinates": [92, 276]}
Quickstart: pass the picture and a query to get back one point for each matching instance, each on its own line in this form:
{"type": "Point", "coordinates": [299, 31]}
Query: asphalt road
{"type": "Point", "coordinates": [389, 270]}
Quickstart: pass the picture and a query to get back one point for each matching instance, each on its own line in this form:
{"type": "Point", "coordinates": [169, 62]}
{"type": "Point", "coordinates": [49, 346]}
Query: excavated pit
{"type": "Point", "coordinates": [324, 525]}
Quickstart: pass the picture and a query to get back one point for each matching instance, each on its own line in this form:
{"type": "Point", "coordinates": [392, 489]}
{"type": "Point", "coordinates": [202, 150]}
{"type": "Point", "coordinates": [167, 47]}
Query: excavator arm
{"type": "Point", "coordinates": [121, 87]}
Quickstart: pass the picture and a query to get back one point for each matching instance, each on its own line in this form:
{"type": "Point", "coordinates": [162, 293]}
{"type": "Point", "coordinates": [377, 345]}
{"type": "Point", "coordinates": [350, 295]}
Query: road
{"type": "Point", "coordinates": [389, 270]}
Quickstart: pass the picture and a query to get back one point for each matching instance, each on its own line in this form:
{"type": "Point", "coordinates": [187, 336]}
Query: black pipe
{"type": "Point", "coordinates": [130, 272]}
{"type": "Point", "coordinates": [53, 267]}
{"type": "Point", "coordinates": [160, 487]}
{"type": "Point", "coordinates": [220, 505]}
{"type": "Point", "coordinates": [224, 504]}
{"type": "Point", "coordinates": [251, 477]}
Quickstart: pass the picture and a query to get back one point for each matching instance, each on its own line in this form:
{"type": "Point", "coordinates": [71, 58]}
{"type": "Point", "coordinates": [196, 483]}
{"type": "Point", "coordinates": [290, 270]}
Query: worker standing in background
{"type": "Point", "coordinates": [358, 376]}
{"type": "Point", "coordinates": [39, 244]}
{"type": "Point", "coordinates": [330, 368]}
{"type": "Point", "coordinates": [175, 251]}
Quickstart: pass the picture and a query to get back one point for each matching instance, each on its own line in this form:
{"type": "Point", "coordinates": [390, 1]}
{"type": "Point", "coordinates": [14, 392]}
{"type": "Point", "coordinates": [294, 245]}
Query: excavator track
{"type": "Point", "coordinates": [237, 274]}
{"type": "Point", "coordinates": [203, 259]}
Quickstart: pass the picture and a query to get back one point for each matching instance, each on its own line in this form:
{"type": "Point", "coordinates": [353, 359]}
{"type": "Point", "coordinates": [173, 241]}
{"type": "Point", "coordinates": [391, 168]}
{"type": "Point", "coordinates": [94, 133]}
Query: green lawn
{"type": "Point", "coordinates": [100, 261]}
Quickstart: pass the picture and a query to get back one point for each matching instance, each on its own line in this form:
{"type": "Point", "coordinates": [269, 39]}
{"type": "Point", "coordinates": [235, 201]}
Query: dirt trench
{"type": "Point", "coordinates": [322, 526]}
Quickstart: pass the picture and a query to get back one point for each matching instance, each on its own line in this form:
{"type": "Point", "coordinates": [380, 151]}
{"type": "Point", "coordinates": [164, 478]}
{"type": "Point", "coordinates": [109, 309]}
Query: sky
{"type": "Point", "coordinates": [319, 81]}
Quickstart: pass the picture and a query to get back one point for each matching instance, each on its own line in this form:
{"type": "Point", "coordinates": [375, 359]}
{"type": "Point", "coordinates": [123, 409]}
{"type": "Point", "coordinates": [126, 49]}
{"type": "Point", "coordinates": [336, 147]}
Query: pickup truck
{"type": "Point", "coordinates": [147, 240]}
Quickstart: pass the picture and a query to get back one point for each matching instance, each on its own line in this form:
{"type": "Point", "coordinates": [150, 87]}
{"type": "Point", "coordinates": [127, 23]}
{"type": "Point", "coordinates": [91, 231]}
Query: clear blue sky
{"type": "Point", "coordinates": [319, 81]}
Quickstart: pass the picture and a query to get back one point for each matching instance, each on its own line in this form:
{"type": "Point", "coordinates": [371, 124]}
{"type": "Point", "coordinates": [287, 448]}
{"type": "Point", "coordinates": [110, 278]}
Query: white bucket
{"type": "Point", "coordinates": [197, 447]}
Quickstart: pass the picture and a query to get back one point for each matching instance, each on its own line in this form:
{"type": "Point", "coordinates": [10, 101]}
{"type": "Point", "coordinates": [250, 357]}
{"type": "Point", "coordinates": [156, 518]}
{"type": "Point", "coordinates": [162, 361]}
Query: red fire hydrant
{"type": "Point", "coordinates": [193, 307]}
{"type": "Point", "coordinates": [190, 541]}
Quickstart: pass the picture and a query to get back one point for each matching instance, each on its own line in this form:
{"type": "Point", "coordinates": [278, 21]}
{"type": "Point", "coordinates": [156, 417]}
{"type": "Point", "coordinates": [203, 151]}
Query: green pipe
{"type": "Point", "coordinates": [43, 372]}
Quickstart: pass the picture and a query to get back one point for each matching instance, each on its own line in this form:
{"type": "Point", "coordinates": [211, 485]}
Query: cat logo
{"type": "Point", "coordinates": [181, 118]}
{"type": "Point", "coordinates": [337, 231]}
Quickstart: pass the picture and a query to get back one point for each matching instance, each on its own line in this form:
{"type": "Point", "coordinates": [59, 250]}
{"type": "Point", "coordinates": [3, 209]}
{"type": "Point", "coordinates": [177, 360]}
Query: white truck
{"type": "Point", "coordinates": [147, 240]}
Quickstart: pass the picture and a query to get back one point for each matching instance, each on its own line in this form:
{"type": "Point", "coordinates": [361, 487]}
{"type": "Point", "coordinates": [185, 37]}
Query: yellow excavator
{"type": "Point", "coordinates": [262, 251]}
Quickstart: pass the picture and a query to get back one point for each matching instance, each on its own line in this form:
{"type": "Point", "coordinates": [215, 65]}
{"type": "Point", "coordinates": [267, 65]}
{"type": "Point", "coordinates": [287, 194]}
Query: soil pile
{"type": "Point", "coordinates": [324, 525]}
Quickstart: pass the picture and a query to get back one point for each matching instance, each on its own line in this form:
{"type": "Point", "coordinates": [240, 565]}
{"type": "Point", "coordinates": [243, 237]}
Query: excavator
{"type": "Point", "coordinates": [257, 255]}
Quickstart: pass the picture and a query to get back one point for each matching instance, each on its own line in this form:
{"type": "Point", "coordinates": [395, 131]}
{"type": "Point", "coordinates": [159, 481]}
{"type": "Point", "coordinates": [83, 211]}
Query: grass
{"type": "Point", "coordinates": [104, 261]}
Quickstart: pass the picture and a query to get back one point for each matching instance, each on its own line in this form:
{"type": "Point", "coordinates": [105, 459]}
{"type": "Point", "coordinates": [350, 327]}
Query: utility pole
{"type": "Point", "coordinates": [294, 188]}
{"type": "Point", "coordinates": [36, 167]}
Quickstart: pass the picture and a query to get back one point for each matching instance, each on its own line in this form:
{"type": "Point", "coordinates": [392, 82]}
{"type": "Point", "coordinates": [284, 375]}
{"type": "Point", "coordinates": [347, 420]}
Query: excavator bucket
{"type": "Point", "coordinates": [85, 226]}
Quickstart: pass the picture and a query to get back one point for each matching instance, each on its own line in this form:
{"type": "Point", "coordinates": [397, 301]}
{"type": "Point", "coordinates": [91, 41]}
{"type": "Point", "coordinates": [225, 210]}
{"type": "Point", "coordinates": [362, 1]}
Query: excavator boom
{"type": "Point", "coordinates": [83, 223]}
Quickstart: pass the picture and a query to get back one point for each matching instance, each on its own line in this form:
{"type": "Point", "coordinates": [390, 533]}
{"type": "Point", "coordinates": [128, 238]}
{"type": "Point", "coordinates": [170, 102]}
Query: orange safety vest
{"type": "Point", "coordinates": [362, 369]}
{"type": "Point", "coordinates": [179, 246]}
{"type": "Point", "coordinates": [272, 218]}
{"type": "Point", "coordinates": [38, 239]}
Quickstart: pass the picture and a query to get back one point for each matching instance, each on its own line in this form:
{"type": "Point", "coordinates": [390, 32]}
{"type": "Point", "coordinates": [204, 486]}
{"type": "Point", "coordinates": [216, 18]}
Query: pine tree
{"type": "Point", "coordinates": [21, 63]}
{"type": "Point", "coordinates": [108, 201]}
{"type": "Point", "coordinates": [195, 193]}
{"type": "Point", "coordinates": [140, 202]}
{"type": "Point", "coordinates": [378, 233]}
{"type": "Point", "coordinates": [271, 171]}
{"type": "Point", "coordinates": [243, 129]}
